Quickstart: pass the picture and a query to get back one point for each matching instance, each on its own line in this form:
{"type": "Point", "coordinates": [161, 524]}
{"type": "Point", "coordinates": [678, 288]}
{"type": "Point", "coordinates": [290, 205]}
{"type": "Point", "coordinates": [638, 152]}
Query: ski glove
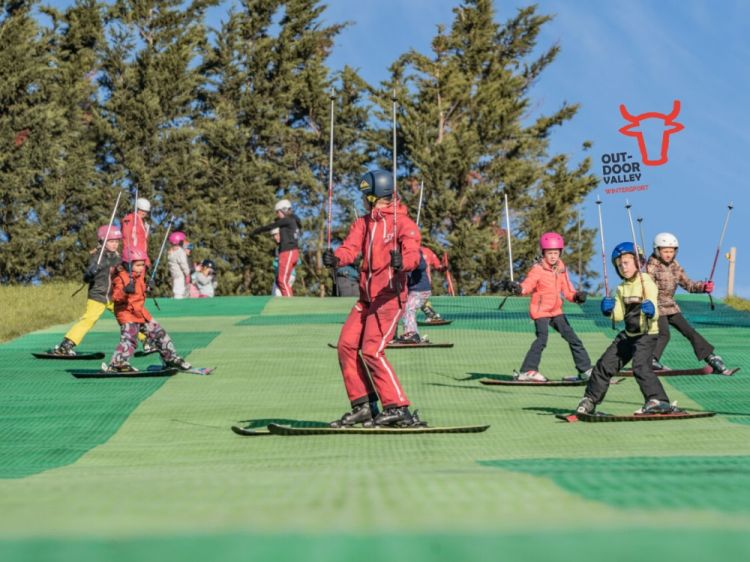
{"type": "Point", "coordinates": [708, 287]}
{"type": "Point", "coordinates": [514, 287]}
{"type": "Point", "coordinates": [129, 289]}
{"type": "Point", "coordinates": [90, 273]}
{"type": "Point", "coordinates": [150, 284]}
{"type": "Point", "coordinates": [648, 309]}
{"type": "Point", "coordinates": [579, 297]}
{"type": "Point", "coordinates": [608, 305]}
{"type": "Point", "coordinates": [330, 259]}
{"type": "Point", "coordinates": [397, 260]}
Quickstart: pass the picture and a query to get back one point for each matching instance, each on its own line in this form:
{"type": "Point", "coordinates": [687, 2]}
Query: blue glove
{"type": "Point", "coordinates": [648, 309]}
{"type": "Point", "coordinates": [608, 305]}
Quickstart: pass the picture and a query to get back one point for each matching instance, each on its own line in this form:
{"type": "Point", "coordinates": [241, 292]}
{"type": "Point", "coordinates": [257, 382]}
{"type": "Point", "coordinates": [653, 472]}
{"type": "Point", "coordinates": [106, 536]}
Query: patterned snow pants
{"type": "Point", "coordinates": [413, 303]}
{"type": "Point", "coordinates": [154, 333]}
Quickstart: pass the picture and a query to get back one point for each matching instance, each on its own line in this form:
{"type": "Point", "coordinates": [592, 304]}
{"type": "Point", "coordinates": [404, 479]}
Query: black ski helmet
{"type": "Point", "coordinates": [208, 263]}
{"type": "Point", "coordinates": [377, 183]}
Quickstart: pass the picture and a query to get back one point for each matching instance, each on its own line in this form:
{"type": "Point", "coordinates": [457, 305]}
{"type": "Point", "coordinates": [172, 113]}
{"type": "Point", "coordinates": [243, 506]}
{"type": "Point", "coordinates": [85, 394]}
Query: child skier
{"type": "Point", "coordinates": [382, 285]}
{"type": "Point", "coordinates": [546, 280]}
{"type": "Point", "coordinates": [129, 296]}
{"type": "Point", "coordinates": [98, 275]}
{"type": "Point", "coordinates": [420, 289]}
{"type": "Point", "coordinates": [289, 225]}
{"type": "Point", "coordinates": [634, 303]}
{"type": "Point", "coordinates": [275, 291]}
{"type": "Point", "coordinates": [668, 274]}
{"type": "Point", "coordinates": [205, 278]}
{"type": "Point", "coordinates": [179, 267]}
{"type": "Point", "coordinates": [135, 229]}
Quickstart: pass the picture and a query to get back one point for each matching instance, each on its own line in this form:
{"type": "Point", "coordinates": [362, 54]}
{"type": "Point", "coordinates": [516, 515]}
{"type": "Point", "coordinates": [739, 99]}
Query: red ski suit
{"type": "Point", "coordinates": [137, 240]}
{"type": "Point", "coordinates": [372, 322]}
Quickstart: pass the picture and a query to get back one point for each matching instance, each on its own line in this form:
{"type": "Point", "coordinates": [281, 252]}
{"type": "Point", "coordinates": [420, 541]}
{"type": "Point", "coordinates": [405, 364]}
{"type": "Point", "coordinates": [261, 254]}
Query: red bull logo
{"type": "Point", "coordinates": [655, 150]}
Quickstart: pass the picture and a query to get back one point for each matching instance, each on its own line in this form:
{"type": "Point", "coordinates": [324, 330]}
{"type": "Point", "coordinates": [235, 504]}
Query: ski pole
{"type": "Point", "coordinates": [419, 206]}
{"type": "Point", "coordinates": [637, 257]}
{"type": "Point", "coordinates": [580, 253]}
{"type": "Point", "coordinates": [395, 197]}
{"type": "Point", "coordinates": [134, 234]}
{"type": "Point", "coordinates": [330, 188]}
{"type": "Point", "coordinates": [158, 259]}
{"type": "Point", "coordinates": [448, 276]}
{"type": "Point", "coordinates": [109, 228]}
{"type": "Point", "coordinates": [718, 249]}
{"type": "Point", "coordinates": [604, 255]}
{"type": "Point", "coordinates": [643, 238]}
{"type": "Point", "coordinates": [510, 249]}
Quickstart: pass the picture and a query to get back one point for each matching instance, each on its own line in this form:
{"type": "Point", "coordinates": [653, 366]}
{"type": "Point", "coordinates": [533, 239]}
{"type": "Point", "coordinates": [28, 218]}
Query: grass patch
{"type": "Point", "coordinates": [27, 308]}
{"type": "Point", "coordinates": [737, 303]}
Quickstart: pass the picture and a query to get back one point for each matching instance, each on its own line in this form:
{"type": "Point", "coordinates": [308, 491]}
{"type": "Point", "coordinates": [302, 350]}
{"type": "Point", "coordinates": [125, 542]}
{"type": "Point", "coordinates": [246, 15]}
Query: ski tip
{"type": "Point", "coordinates": [569, 418]}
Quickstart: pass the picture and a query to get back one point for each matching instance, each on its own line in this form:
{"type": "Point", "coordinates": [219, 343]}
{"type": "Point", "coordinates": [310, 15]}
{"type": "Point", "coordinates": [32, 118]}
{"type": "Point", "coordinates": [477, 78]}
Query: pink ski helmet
{"type": "Point", "coordinates": [176, 238]}
{"type": "Point", "coordinates": [133, 254]}
{"type": "Point", "coordinates": [551, 241]}
{"type": "Point", "coordinates": [114, 232]}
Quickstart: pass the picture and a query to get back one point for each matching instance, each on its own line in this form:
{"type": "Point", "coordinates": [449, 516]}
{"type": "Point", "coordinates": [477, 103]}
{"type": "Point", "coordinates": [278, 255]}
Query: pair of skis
{"type": "Point", "coordinates": [602, 417]}
{"type": "Point", "coordinates": [324, 429]}
{"type": "Point", "coordinates": [151, 372]}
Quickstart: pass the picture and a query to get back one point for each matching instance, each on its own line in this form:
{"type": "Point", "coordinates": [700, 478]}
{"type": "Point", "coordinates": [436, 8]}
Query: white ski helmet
{"type": "Point", "coordinates": [665, 240]}
{"type": "Point", "coordinates": [283, 205]}
{"type": "Point", "coordinates": [143, 204]}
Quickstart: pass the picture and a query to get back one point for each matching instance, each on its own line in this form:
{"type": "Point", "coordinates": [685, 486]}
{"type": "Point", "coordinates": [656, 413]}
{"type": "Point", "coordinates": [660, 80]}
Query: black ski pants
{"type": "Point", "coordinates": [560, 324]}
{"type": "Point", "coordinates": [701, 347]}
{"type": "Point", "coordinates": [624, 348]}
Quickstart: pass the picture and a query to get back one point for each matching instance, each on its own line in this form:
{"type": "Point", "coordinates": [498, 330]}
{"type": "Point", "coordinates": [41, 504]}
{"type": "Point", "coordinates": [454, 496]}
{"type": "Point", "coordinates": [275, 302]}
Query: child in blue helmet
{"type": "Point", "coordinates": [633, 303]}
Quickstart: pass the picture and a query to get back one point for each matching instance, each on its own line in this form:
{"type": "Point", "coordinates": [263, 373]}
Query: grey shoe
{"type": "Point", "coordinates": [717, 364]}
{"type": "Point", "coordinates": [361, 413]}
{"type": "Point", "coordinates": [586, 406]}
{"type": "Point", "coordinates": [654, 406]}
{"type": "Point", "coordinates": [65, 347]}
{"type": "Point", "coordinates": [178, 363]}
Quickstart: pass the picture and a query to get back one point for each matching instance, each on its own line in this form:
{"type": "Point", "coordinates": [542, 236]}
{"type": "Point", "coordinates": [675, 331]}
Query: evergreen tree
{"type": "Point", "coordinates": [462, 130]}
{"type": "Point", "coordinates": [151, 84]}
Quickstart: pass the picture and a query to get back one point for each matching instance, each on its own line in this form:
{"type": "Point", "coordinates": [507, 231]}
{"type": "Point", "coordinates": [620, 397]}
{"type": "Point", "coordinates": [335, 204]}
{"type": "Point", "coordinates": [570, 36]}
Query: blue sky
{"type": "Point", "coordinates": [643, 53]}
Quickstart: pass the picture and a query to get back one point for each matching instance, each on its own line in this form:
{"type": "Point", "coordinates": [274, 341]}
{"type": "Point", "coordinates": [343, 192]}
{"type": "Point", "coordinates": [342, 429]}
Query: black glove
{"type": "Point", "coordinates": [397, 260]}
{"type": "Point", "coordinates": [129, 288]}
{"type": "Point", "coordinates": [90, 273]}
{"type": "Point", "coordinates": [512, 287]}
{"type": "Point", "coordinates": [330, 259]}
{"type": "Point", "coordinates": [579, 297]}
{"type": "Point", "coordinates": [150, 284]}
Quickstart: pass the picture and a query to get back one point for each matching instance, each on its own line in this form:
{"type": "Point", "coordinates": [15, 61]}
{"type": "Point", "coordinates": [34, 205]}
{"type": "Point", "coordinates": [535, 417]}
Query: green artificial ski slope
{"type": "Point", "coordinates": [148, 469]}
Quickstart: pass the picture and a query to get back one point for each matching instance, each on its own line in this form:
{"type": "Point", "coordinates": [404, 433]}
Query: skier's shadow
{"type": "Point", "coordinates": [264, 422]}
{"type": "Point", "coordinates": [493, 376]}
{"type": "Point", "coordinates": [545, 410]}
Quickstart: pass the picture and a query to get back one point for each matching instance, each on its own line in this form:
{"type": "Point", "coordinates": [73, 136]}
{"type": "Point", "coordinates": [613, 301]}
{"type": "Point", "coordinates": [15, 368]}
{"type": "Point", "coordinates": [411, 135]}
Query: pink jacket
{"type": "Point", "coordinates": [545, 285]}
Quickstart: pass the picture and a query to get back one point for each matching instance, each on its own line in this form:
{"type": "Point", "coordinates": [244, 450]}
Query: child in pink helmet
{"type": "Point", "coordinates": [179, 266]}
{"type": "Point", "coordinates": [98, 276]}
{"type": "Point", "coordinates": [547, 283]}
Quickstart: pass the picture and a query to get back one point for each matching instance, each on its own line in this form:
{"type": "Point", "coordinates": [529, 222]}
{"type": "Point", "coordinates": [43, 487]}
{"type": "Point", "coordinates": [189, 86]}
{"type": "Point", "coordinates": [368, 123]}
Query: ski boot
{"type": "Point", "coordinates": [586, 406]}
{"type": "Point", "coordinates": [717, 364]}
{"type": "Point", "coordinates": [149, 347]}
{"type": "Point", "coordinates": [397, 416]}
{"type": "Point", "coordinates": [361, 413]}
{"type": "Point", "coordinates": [533, 376]}
{"type": "Point", "coordinates": [430, 312]}
{"type": "Point", "coordinates": [654, 406]}
{"type": "Point", "coordinates": [177, 363]}
{"type": "Point", "coordinates": [119, 368]}
{"type": "Point", "coordinates": [408, 338]}
{"type": "Point", "coordinates": [585, 375]}
{"type": "Point", "coordinates": [657, 366]}
{"type": "Point", "coordinates": [65, 347]}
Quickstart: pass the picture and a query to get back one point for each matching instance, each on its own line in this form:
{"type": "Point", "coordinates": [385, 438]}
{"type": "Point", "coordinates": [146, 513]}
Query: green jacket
{"type": "Point", "coordinates": [628, 299]}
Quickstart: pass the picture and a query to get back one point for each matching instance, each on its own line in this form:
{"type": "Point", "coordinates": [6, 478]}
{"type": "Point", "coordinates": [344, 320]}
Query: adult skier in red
{"type": "Point", "coordinates": [368, 376]}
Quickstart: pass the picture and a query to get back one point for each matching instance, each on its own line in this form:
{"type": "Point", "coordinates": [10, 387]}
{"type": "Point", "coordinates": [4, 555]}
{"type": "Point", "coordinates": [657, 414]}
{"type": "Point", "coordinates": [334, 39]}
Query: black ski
{"type": "Point", "coordinates": [239, 430]}
{"type": "Point", "coordinates": [400, 345]}
{"type": "Point", "coordinates": [707, 370]}
{"type": "Point", "coordinates": [192, 370]}
{"type": "Point", "coordinates": [79, 356]}
{"type": "Point", "coordinates": [99, 374]}
{"type": "Point", "coordinates": [601, 417]}
{"type": "Point", "coordinates": [141, 353]}
{"type": "Point", "coordinates": [440, 322]}
{"type": "Point", "coordinates": [277, 429]}
{"type": "Point", "coordinates": [513, 382]}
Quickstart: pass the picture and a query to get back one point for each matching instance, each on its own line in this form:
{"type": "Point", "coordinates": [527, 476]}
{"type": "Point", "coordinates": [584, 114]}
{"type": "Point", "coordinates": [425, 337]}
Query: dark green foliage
{"type": "Point", "coordinates": [215, 127]}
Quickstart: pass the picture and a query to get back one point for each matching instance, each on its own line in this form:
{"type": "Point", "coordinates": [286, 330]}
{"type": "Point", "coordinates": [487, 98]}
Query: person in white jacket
{"type": "Point", "coordinates": [205, 278]}
{"type": "Point", "coordinates": [179, 267]}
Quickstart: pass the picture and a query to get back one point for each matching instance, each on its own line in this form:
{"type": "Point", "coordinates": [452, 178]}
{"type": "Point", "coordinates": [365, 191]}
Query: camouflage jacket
{"type": "Point", "coordinates": [667, 278]}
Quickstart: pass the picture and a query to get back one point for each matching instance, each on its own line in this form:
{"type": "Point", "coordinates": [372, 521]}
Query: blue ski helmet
{"type": "Point", "coordinates": [377, 183]}
{"type": "Point", "coordinates": [625, 248]}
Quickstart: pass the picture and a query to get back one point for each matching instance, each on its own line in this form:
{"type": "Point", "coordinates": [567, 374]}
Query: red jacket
{"type": "Point", "coordinates": [141, 236]}
{"type": "Point", "coordinates": [129, 307]}
{"type": "Point", "coordinates": [545, 285]}
{"type": "Point", "coordinates": [372, 237]}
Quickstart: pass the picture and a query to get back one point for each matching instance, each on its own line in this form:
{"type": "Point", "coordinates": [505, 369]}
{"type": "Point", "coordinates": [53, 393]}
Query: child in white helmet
{"type": "Point", "coordinates": [546, 282]}
{"type": "Point", "coordinates": [668, 275]}
{"type": "Point", "coordinates": [179, 267]}
{"type": "Point", "coordinates": [289, 226]}
{"type": "Point", "coordinates": [98, 275]}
